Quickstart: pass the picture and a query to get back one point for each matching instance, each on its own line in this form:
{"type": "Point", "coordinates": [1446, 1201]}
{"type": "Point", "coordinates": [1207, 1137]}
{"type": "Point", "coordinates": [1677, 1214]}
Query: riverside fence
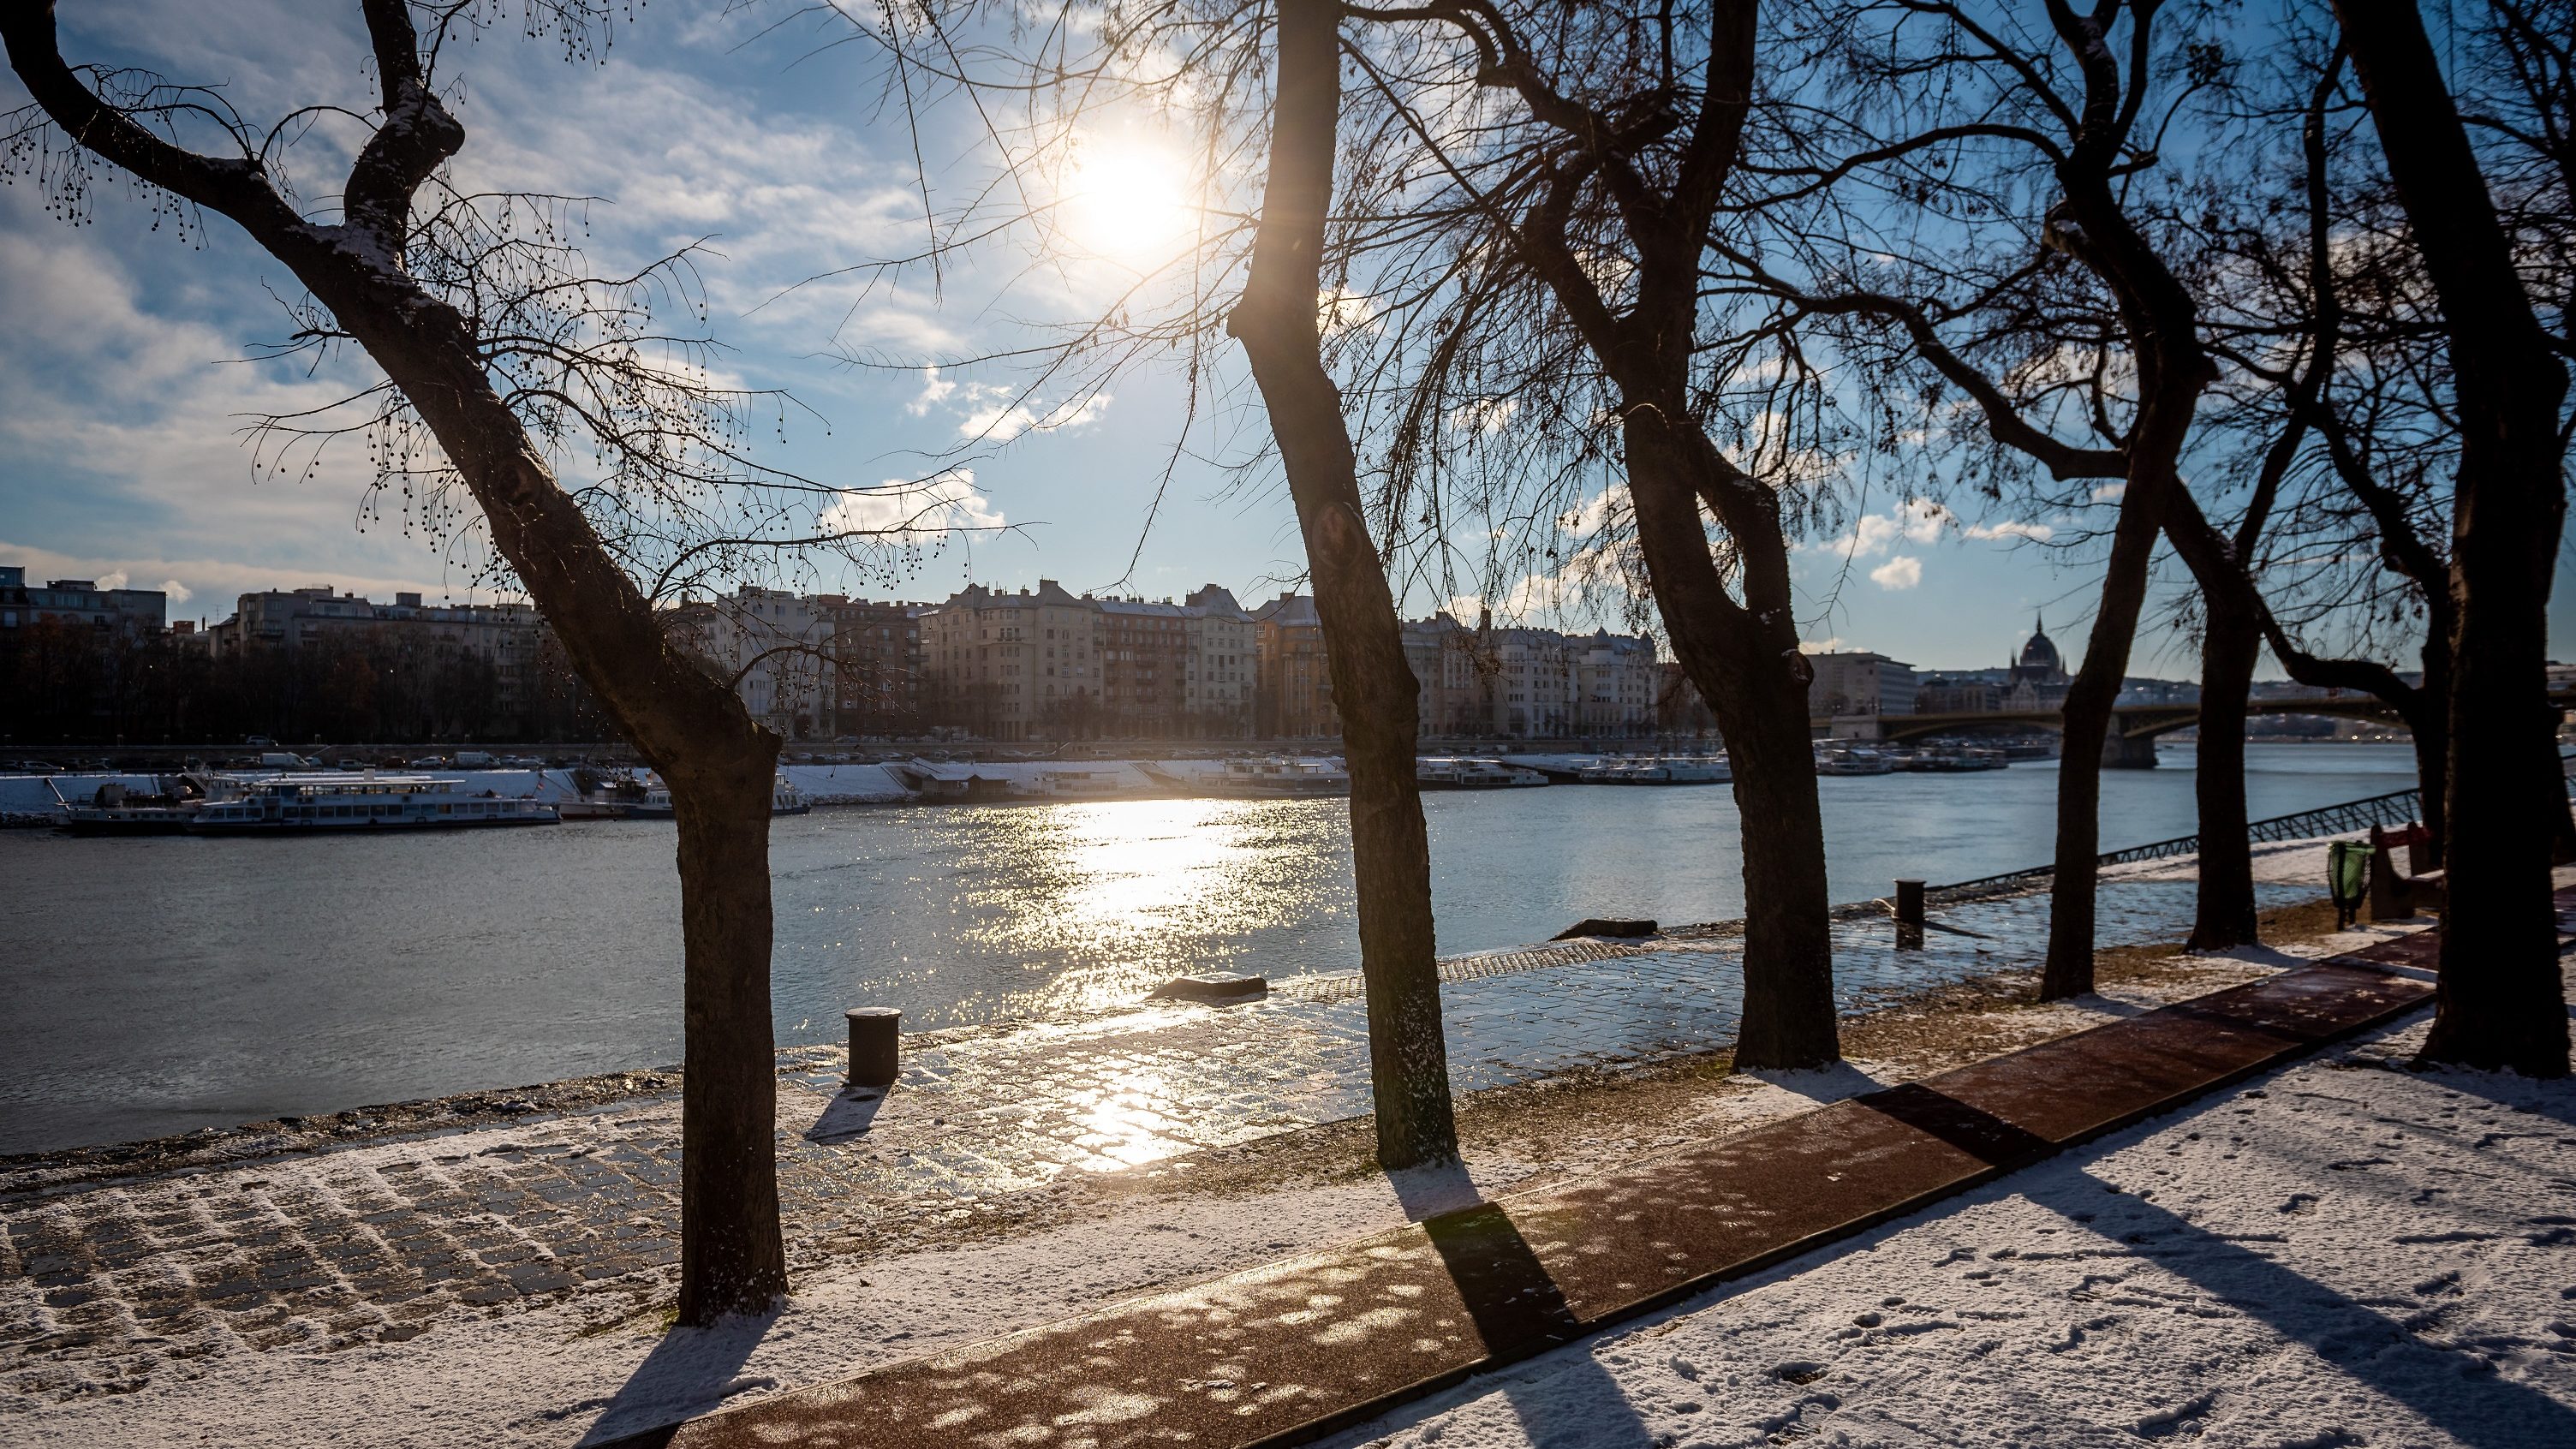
{"type": "Point", "coordinates": [2397, 807]}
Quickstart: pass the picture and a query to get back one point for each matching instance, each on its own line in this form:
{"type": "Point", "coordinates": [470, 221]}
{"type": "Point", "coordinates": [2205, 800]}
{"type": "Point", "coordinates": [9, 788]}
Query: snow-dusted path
{"type": "Point", "coordinates": [2339, 1253]}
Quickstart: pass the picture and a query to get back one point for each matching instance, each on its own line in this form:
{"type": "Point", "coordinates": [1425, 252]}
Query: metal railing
{"type": "Point", "coordinates": [2394, 808]}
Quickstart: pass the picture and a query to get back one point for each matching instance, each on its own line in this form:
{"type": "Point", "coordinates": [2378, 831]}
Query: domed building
{"type": "Point", "coordinates": [2038, 680]}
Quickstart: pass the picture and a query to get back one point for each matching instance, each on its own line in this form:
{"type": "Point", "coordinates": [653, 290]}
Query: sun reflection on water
{"type": "Point", "coordinates": [1078, 906]}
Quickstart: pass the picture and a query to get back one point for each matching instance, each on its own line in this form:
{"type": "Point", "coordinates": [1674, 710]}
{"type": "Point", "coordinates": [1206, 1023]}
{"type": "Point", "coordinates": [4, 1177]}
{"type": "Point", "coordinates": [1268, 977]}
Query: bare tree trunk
{"type": "Point", "coordinates": [2224, 915]}
{"type": "Point", "coordinates": [678, 714]}
{"type": "Point", "coordinates": [2428, 721]}
{"type": "Point", "coordinates": [1373, 687]}
{"type": "Point", "coordinates": [2086, 717]}
{"type": "Point", "coordinates": [1743, 657]}
{"type": "Point", "coordinates": [2500, 1002]}
{"type": "Point", "coordinates": [2231, 644]}
{"type": "Point", "coordinates": [729, 1116]}
{"type": "Point", "coordinates": [1745, 661]}
{"type": "Point", "coordinates": [2163, 327]}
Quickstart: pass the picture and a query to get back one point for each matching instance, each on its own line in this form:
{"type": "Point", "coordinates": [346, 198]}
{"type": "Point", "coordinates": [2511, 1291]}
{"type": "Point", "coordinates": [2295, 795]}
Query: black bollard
{"type": "Point", "coordinates": [1909, 903]}
{"type": "Point", "coordinates": [875, 1052]}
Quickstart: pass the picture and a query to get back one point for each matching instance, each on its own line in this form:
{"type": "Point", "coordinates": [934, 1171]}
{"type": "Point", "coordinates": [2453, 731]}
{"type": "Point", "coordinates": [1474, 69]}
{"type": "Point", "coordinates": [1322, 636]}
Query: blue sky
{"type": "Point", "coordinates": [124, 384]}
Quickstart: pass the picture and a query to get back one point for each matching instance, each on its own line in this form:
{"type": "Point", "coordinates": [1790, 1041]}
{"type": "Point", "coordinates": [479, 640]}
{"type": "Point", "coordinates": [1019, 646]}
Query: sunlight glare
{"type": "Point", "coordinates": [1125, 202]}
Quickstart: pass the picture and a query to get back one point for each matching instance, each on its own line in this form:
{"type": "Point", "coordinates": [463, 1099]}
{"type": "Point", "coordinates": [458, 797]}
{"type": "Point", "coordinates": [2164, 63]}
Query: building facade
{"type": "Point", "coordinates": [133, 612]}
{"type": "Point", "coordinates": [508, 639]}
{"type": "Point", "coordinates": [1294, 688]}
{"type": "Point", "coordinates": [875, 653]}
{"type": "Point", "coordinates": [774, 646]}
{"type": "Point", "coordinates": [1047, 664]}
{"type": "Point", "coordinates": [1859, 682]}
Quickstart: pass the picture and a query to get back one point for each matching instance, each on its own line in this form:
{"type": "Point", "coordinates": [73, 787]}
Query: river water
{"type": "Point", "coordinates": [160, 985]}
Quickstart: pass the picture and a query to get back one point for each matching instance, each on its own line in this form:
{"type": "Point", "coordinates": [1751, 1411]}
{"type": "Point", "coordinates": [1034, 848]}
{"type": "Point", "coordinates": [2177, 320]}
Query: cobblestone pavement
{"type": "Point", "coordinates": [105, 1285]}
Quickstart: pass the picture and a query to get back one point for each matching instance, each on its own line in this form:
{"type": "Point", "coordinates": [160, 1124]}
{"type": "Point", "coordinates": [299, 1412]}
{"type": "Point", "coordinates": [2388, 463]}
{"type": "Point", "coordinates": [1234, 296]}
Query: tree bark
{"type": "Point", "coordinates": [2231, 644]}
{"type": "Point", "coordinates": [2500, 1002]}
{"type": "Point", "coordinates": [2223, 914]}
{"type": "Point", "coordinates": [1745, 661]}
{"type": "Point", "coordinates": [1743, 657]}
{"type": "Point", "coordinates": [679, 715]}
{"type": "Point", "coordinates": [2086, 724]}
{"type": "Point", "coordinates": [1373, 687]}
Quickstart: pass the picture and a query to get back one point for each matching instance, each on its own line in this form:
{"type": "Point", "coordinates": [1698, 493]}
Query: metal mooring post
{"type": "Point", "coordinates": [875, 1045]}
{"type": "Point", "coordinates": [1909, 903]}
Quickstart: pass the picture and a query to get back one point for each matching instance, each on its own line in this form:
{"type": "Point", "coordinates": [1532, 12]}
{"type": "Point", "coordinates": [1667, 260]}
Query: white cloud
{"type": "Point", "coordinates": [1341, 310]}
{"type": "Point", "coordinates": [1820, 646]}
{"type": "Point", "coordinates": [1914, 521]}
{"type": "Point", "coordinates": [1594, 514]}
{"type": "Point", "coordinates": [931, 507]}
{"type": "Point", "coordinates": [2110, 492]}
{"type": "Point", "coordinates": [221, 581]}
{"type": "Point", "coordinates": [112, 579]}
{"type": "Point", "coordinates": [1901, 572]}
{"type": "Point", "coordinates": [934, 390]}
{"type": "Point", "coordinates": [1001, 422]}
{"type": "Point", "coordinates": [2035, 532]}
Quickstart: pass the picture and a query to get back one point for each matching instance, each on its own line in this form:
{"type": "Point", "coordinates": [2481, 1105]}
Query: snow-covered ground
{"type": "Point", "coordinates": [2337, 1251]}
{"type": "Point", "coordinates": [2340, 1253]}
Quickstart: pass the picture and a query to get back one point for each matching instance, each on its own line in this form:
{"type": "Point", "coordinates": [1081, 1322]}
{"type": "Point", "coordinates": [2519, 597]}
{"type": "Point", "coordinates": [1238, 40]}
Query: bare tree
{"type": "Point", "coordinates": [1374, 690]}
{"type": "Point", "coordinates": [1557, 175]}
{"type": "Point", "coordinates": [2501, 1001]}
{"type": "Point", "coordinates": [1249, 273]}
{"type": "Point", "coordinates": [500, 355]}
{"type": "Point", "coordinates": [2040, 134]}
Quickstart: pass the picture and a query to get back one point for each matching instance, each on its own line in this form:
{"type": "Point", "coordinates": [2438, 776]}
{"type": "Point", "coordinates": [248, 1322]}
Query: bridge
{"type": "Point", "coordinates": [2131, 745]}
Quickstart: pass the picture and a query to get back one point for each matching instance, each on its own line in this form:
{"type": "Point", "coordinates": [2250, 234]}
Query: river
{"type": "Point", "coordinates": [160, 985]}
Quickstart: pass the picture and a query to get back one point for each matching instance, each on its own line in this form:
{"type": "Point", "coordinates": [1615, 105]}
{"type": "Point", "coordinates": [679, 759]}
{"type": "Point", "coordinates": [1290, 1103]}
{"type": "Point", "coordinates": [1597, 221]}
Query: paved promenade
{"type": "Point", "coordinates": [111, 1278]}
{"type": "Point", "coordinates": [1328, 1339]}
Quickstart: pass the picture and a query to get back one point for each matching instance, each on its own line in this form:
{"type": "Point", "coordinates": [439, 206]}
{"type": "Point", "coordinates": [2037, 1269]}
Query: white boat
{"type": "Point", "coordinates": [1277, 775]}
{"type": "Point", "coordinates": [1659, 770]}
{"type": "Point", "coordinates": [1449, 773]}
{"type": "Point", "coordinates": [1065, 782]}
{"type": "Point", "coordinates": [334, 801]}
{"type": "Point", "coordinates": [656, 804]}
{"type": "Point", "coordinates": [1852, 760]}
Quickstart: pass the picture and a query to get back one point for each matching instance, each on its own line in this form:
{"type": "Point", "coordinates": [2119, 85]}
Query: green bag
{"type": "Point", "coordinates": [2347, 871]}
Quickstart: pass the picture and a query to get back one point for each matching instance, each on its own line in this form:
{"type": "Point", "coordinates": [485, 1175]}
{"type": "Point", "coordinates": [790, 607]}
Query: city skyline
{"type": "Point", "coordinates": [126, 391]}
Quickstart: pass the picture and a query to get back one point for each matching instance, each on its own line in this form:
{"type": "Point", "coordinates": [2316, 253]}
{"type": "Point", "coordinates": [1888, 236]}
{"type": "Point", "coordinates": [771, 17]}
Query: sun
{"type": "Point", "coordinates": [1126, 202]}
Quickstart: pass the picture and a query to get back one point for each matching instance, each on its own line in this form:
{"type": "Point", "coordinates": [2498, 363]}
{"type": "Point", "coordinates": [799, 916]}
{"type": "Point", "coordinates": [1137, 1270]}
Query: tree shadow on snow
{"type": "Point", "coordinates": [691, 1371]}
{"type": "Point", "coordinates": [1519, 1313]}
{"type": "Point", "coordinates": [2456, 1391]}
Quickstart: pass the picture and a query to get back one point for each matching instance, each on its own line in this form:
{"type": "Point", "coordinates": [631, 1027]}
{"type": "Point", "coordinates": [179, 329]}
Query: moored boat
{"type": "Point", "coordinates": [1452, 773]}
{"type": "Point", "coordinates": [332, 801]}
{"type": "Point", "coordinates": [1274, 775]}
{"type": "Point", "coordinates": [784, 799]}
{"type": "Point", "coordinates": [1659, 770]}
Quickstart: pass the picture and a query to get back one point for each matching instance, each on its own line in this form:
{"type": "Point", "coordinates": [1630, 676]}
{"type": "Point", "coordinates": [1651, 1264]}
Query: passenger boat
{"type": "Point", "coordinates": [1956, 761]}
{"type": "Point", "coordinates": [1659, 770]}
{"type": "Point", "coordinates": [1062, 782]}
{"type": "Point", "coordinates": [784, 799]}
{"type": "Point", "coordinates": [1445, 773]}
{"type": "Point", "coordinates": [333, 801]}
{"type": "Point", "coordinates": [1852, 760]}
{"type": "Point", "coordinates": [116, 810]}
{"type": "Point", "coordinates": [1276, 775]}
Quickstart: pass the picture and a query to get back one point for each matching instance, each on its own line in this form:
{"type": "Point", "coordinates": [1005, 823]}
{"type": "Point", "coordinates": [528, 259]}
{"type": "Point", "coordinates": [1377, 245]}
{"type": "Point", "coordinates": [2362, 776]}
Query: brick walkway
{"type": "Point", "coordinates": [105, 1285]}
